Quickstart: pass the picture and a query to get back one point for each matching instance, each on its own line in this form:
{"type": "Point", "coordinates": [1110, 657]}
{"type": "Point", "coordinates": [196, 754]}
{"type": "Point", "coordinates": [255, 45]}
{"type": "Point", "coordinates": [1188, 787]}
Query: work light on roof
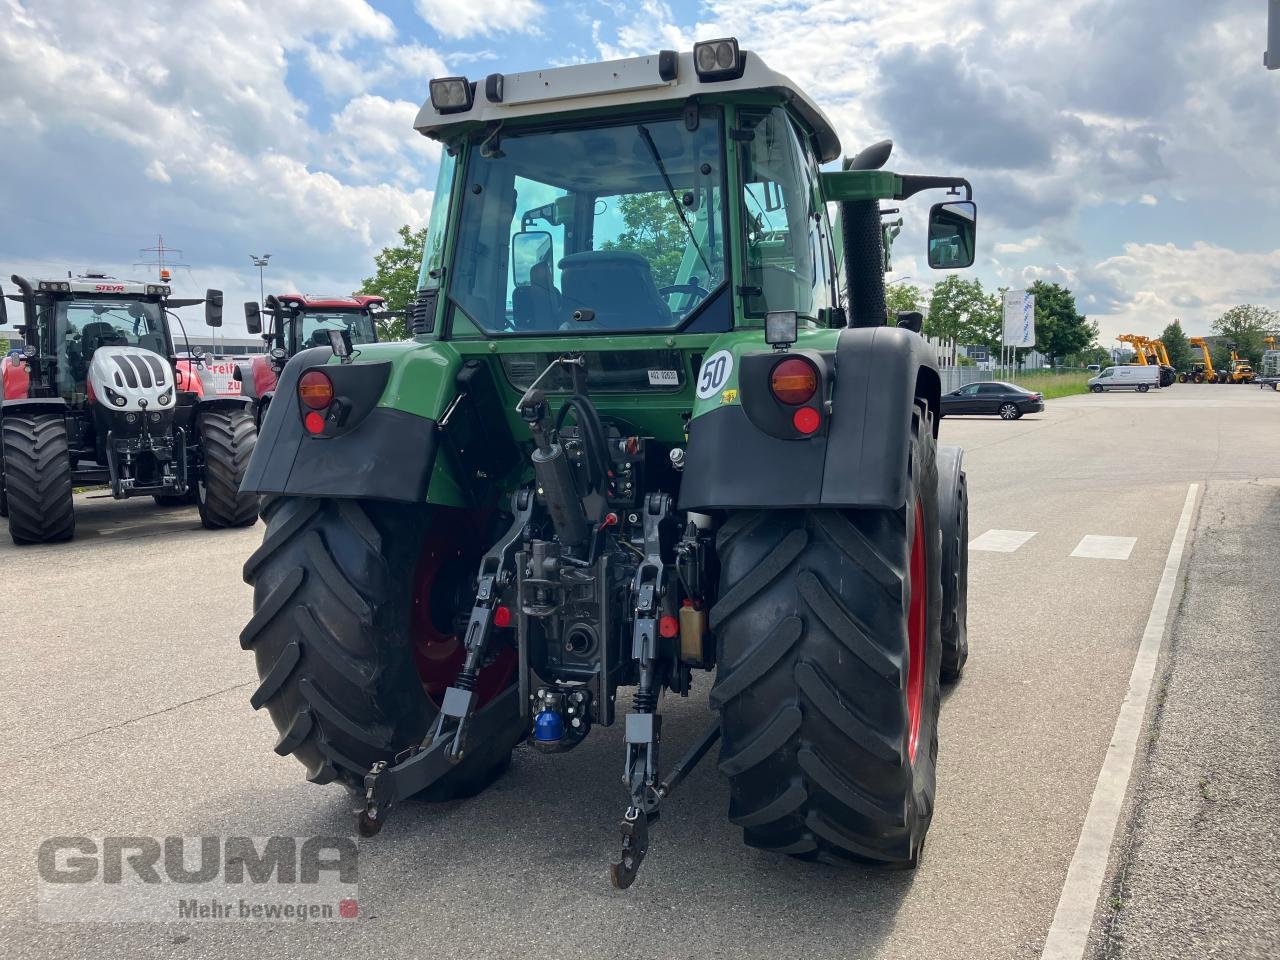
{"type": "Point", "coordinates": [718, 59]}
{"type": "Point", "coordinates": [451, 94]}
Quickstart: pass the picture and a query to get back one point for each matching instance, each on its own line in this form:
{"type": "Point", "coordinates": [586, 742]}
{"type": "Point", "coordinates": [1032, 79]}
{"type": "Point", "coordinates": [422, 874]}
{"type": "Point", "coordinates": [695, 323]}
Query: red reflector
{"type": "Point", "coordinates": [315, 389]}
{"type": "Point", "coordinates": [806, 420]}
{"type": "Point", "coordinates": [668, 626]}
{"type": "Point", "coordinates": [313, 422]}
{"type": "Point", "coordinates": [793, 381]}
{"type": "Point", "coordinates": [502, 616]}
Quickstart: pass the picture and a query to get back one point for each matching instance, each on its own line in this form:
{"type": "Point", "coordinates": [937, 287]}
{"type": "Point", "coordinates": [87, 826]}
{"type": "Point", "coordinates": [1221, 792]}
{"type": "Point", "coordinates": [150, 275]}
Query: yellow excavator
{"type": "Point", "coordinates": [1148, 355]}
{"type": "Point", "coordinates": [1201, 371]}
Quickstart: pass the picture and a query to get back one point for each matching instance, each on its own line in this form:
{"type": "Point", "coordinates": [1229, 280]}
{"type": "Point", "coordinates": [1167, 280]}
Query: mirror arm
{"type": "Point", "coordinates": [913, 184]}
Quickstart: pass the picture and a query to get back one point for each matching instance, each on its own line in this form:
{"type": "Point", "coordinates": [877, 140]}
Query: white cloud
{"type": "Point", "coordinates": [1196, 284]}
{"type": "Point", "coordinates": [1148, 199]}
{"type": "Point", "coordinates": [1019, 246]}
{"type": "Point", "coordinates": [156, 171]}
{"type": "Point", "coordinates": [185, 124]}
{"type": "Point", "coordinates": [466, 18]}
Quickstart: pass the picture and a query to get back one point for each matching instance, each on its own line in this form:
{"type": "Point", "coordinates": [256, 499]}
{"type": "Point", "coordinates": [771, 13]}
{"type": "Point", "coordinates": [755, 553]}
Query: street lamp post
{"type": "Point", "coordinates": [260, 262]}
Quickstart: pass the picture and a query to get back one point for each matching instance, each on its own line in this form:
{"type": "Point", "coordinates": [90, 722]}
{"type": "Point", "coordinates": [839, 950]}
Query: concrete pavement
{"type": "Point", "coordinates": [125, 709]}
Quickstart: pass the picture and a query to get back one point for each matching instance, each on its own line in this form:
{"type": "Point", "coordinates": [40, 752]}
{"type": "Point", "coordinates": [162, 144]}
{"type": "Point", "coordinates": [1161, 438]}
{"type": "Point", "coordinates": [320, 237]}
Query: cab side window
{"type": "Point", "coordinates": [788, 261]}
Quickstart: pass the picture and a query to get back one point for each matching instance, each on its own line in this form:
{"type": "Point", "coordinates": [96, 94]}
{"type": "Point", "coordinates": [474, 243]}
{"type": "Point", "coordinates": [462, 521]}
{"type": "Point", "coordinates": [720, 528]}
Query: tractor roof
{"type": "Point", "coordinates": [617, 83]}
{"type": "Point", "coordinates": [313, 301]}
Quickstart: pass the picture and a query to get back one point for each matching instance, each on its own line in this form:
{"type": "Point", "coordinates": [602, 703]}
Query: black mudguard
{"type": "Point", "coordinates": [221, 403]}
{"type": "Point", "coordinates": [859, 460]}
{"type": "Point", "coordinates": [52, 405]}
{"type": "Point", "coordinates": [376, 453]}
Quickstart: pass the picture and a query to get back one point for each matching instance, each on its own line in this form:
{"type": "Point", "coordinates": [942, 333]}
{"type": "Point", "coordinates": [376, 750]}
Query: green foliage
{"type": "Point", "coordinates": [1095, 354]}
{"type": "Point", "coordinates": [1061, 329]}
{"type": "Point", "coordinates": [653, 230]}
{"type": "Point", "coordinates": [959, 309]}
{"type": "Point", "coordinates": [396, 278]}
{"type": "Point", "coordinates": [1245, 326]}
{"type": "Point", "coordinates": [902, 296]}
{"type": "Point", "coordinates": [1180, 353]}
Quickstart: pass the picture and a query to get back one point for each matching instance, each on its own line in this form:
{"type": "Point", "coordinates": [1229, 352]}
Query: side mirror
{"type": "Point", "coordinates": [528, 249]}
{"type": "Point", "coordinates": [912, 320]}
{"type": "Point", "coordinates": [253, 316]}
{"type": "Point", "coordinates": [213, 308]}
{"type": "Point", "coordinates": [953, 229]}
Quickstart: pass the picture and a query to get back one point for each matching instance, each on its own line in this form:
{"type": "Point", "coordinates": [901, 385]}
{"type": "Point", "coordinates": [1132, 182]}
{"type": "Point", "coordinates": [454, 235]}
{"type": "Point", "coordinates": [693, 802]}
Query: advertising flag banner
{"type": "Point", "coordinates": [1019, 319]}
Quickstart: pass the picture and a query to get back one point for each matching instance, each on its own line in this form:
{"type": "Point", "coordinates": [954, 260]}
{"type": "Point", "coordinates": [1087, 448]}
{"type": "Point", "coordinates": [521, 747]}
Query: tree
{"type": "Point", "coordinates": [396, 278]}
{"type": "Point", "coordinates": [1175, 344]}
{"type": "Point", "coordinates": [901, 296]}
{"type": "Point", "coordinates": [653, 230]}
{"type": "Point", "coordinates": [1245, 326]}
{"type": "Point", "coordinates": [1061, 329]}
{"type": "Point", "coordinates": [1100, 356]}
{"type": "Point", "coordinates": [960, 310]}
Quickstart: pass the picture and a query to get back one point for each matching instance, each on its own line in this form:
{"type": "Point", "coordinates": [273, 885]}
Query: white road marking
{"type": "Point", "coordinates": [1001, 541]}
{"type": "Point", "coordinates": [1105, 548]}
{"type": "Point", "coordinates": [1069, 934]}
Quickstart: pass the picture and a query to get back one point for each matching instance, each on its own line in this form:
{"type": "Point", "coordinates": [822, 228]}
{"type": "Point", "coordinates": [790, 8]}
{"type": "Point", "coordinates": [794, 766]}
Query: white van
{"type": "Point", "coordinates": [1135, 377]}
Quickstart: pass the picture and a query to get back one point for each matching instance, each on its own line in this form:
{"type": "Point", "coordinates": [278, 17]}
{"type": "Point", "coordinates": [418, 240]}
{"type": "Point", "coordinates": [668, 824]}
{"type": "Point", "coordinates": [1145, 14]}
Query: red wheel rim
{"type": "Point", "coordinates": [438, 651]}
{"type": "Point", "coordinates": [916, 628]}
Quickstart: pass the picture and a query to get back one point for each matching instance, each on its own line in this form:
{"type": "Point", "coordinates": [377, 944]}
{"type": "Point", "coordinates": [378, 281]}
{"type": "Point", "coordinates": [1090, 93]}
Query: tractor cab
{"type": "Point", "coordinates": [296, 322]}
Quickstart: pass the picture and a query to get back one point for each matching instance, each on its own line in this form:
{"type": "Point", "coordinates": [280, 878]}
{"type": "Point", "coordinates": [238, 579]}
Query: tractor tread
{"type": "Point", "coordinates": [758, 661]}
{"type": "Point", "coordinates": [765, 573]}
{"type": "Point", "coordinates": [37, 478]}
{"type": "Point", "coordinates": [227, 439]}
{"type": "Point", "coordinates": [332, 581]}
{"type": "Point", "coordinates": [276, 676]}
{"type": "Point", "coordinates": [813, 661]}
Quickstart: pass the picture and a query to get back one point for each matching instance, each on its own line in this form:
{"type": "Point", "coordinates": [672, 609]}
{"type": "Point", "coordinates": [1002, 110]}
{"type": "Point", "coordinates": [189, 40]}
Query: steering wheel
{"type": "Point", "coordinates": [693, 288]}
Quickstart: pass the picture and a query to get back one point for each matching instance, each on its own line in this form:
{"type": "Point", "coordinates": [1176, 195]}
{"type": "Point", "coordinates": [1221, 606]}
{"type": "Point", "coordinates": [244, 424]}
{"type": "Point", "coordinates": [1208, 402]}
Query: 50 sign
{"type": "Point", "coordinates": [714, 374]}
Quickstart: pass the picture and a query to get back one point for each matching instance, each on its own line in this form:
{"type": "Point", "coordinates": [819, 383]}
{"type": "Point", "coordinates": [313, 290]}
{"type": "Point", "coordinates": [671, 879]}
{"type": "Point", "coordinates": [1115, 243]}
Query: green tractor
{"type": "Point", "coordinates": [652, 421]}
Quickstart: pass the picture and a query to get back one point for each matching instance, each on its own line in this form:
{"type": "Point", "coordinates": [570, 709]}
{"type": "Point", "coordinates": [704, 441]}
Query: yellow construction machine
{"type": "Point", "coordinates": [1241, 369]}
{"type": "Point", "coordinates": [1201, 371]}
{"type": "Point", "coordinates": [1149, 355]}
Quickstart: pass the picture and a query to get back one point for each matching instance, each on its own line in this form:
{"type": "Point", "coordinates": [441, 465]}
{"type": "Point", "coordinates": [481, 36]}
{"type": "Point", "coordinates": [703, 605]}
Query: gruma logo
{"type": "Point", "coordinates": [183, 879]}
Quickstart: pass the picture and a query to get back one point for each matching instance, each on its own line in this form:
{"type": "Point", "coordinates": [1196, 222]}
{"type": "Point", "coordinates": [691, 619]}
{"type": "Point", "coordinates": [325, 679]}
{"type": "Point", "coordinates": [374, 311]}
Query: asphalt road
{"type": "Point", "coordinates": [124, 710]}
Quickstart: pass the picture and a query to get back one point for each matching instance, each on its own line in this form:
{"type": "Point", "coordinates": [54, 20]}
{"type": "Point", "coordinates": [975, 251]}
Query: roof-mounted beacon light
{"type": "Point", "coordinates": [718, 59]}
{"type": "Point", "coordinates": [451, 94]}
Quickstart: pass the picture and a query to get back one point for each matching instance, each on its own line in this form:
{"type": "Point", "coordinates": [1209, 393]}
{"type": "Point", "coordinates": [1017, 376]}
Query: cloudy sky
{"type": "Point", "coordinates": [1128, 148]}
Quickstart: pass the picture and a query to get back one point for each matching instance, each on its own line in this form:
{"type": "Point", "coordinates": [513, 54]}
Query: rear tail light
{"type": "Point", "coordinates": [806, 420]}
{"type": "Point", "coordinates": [794, 381]}
{"type": "Point", "coordinates": [315, 390]}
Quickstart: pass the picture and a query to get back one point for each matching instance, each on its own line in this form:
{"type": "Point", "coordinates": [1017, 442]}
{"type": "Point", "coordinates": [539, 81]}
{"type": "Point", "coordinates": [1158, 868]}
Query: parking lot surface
{"type": "Point", "coordinates": [124, 710]}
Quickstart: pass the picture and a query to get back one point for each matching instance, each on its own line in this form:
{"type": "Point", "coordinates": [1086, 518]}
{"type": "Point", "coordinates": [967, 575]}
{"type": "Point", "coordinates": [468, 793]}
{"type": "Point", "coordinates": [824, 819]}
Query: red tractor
{"type": "Point", "coordinates": [296, 322]}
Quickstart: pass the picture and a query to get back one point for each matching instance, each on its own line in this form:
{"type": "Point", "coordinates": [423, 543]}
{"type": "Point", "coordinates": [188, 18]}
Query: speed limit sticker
{"type": "Point", "coordinates": [714, 374]}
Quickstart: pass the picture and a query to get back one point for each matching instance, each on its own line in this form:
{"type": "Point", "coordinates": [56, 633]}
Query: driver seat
{"type": "Point", "coordinates": [536, 305]}
{"type": "Point", "coordinates": [96, 335]}
{"type": "Point", "coordinates": [617, 285]}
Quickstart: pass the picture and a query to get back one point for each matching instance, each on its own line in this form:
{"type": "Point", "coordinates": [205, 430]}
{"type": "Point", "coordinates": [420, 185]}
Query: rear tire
{"type": "Point", "coordinates": [332, 597]}
{"type": "Point", "coordinates": [953, 511]}
{"type": "Point", "coordinates": [1010, 411]}
{"type": "Point", "coordinates": [37, 478]}
{"type": "Point", "coordinates": [227, 438]}
{"type": "Point", "coordinates": [1142, 388]}
{"type": "Point", "coordinates": [816, 682]}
